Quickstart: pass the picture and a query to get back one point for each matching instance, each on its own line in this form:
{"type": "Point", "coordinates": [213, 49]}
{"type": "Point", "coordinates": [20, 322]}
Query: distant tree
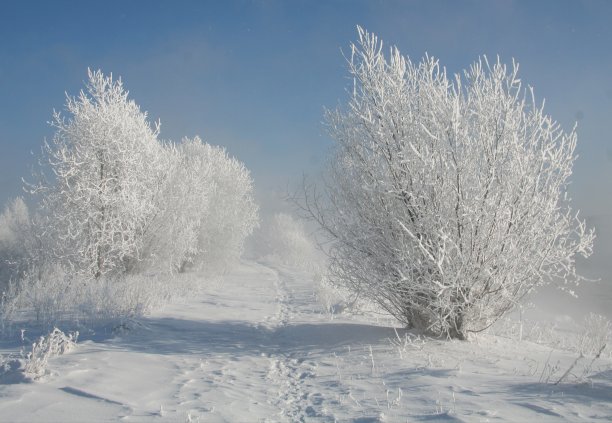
{"type": "Point", "coordinates": [207, 210]}
{"type": "Point", "coordinates": [446, 198]}
{"type": "Point", "coordinates": [231, 213]}
{"type": "Point", "coordinates": [108, 172]}
{"type": "Point", "coordinates": [16, 241]}
{"type": "Point", "coordinates": [172, 242]}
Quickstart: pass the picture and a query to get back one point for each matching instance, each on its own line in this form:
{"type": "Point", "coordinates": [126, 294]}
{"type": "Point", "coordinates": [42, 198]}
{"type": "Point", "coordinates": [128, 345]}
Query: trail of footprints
{"type": "Point", "coordinates": [291, 375]}
{"type": "Point", "coordinates": [291, 378]}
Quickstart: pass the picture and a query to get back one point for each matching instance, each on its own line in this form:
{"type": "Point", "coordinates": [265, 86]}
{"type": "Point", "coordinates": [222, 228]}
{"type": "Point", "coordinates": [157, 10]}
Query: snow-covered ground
{"type": "Point", "coordinates": [258, 347]}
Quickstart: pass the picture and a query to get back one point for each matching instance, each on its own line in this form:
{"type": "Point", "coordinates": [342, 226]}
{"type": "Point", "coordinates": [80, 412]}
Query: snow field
{"type": "Point", "coordinates": [259, 347]}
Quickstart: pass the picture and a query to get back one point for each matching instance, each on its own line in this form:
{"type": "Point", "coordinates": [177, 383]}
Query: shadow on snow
{"type": "Point", "coordinates": [178, 336]}
{"type": "Point", "coordinates": [580, 393]}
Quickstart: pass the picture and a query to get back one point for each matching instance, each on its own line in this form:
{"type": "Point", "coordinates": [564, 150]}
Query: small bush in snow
{"type": "Point", "coordinates": [54, 344]}
{"type": "Point", "coordinates": [596, 336]}
{"type": "Point", "coordinates": [333, 298]}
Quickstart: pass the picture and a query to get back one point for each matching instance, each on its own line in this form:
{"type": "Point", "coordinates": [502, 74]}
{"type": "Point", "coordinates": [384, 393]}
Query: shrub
{"type": "Point", "coordinates": [446, 198]}
{"type": "Point", "coordinates": [54, 344]}
{"type": "Point", "coordinates": [53, 295]}
{"type": "Point", "coordinates": [596, 336]}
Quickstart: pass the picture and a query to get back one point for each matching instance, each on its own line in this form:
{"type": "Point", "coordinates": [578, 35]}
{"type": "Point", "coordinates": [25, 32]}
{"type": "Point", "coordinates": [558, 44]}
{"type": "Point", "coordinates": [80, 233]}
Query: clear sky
{"type": "Point", "coordinates": [254, 76]}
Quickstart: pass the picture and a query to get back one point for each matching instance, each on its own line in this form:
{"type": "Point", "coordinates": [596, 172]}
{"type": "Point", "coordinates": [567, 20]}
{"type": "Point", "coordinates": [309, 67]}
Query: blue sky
{"type": "Point", "coordinates": [254, 76]}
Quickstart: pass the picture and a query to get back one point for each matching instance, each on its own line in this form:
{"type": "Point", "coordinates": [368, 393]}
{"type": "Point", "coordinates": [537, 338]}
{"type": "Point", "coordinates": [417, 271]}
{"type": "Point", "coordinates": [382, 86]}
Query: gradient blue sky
{"type": "Point", "coordinates": [254, 76]}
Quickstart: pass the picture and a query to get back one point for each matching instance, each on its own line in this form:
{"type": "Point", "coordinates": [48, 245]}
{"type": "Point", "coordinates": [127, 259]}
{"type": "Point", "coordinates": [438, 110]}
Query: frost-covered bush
{"type": "Point", "coordinates": [446, 197]}
{"type": "Point", "coordinates": [53, 295]}
{"type": "Point", "coordinates": [333, 298]}
{"type": "Point", "coordinates": [596, 336]}
{"type": "Point", "coordinates": [54, 344]}
{"type": "Point", "coordinates": [33, 365]}
{"type": "Point", "coordinates": [49, 293]}
{"type": "Point", "coordinates": [131, 296]}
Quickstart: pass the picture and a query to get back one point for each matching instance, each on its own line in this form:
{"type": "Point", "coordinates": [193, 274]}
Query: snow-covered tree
{"type": "Point", "coordinates": [207, 210]}
{"type": "Point", "coordinates": [231, 213]}
{"type": "Point", "coordinates": [172, 242]}
{"type": "Point", "coordinates": [446, 198]}
{"type": "Point", "coordinates": [108, 172]}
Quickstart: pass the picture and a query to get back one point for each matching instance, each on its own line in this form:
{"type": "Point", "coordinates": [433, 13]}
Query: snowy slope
{"type": "Point", "coordinates": [258, 347]}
